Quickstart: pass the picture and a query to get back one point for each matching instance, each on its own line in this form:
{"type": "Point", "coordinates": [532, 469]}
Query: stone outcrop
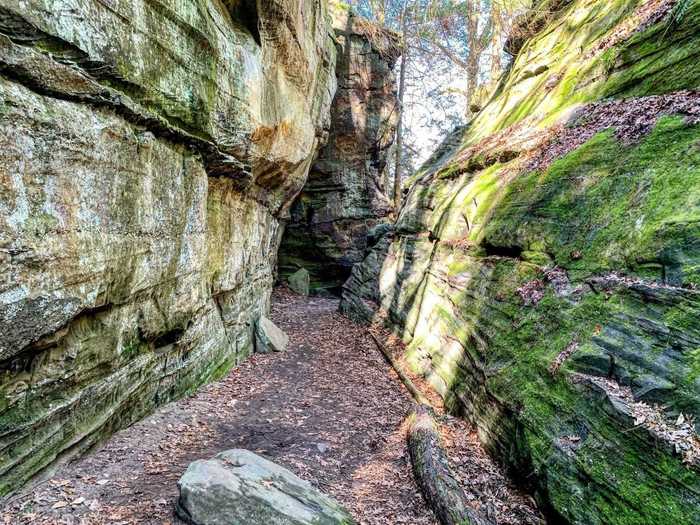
{"type": "Point", "coordinates": [545, 268]}
{"type": "Point", "coordinates": [147, 152]}
{"type": "Point", "coordinates": [237, 486]}
{"type": "Point", "coordinates": [345, 196]}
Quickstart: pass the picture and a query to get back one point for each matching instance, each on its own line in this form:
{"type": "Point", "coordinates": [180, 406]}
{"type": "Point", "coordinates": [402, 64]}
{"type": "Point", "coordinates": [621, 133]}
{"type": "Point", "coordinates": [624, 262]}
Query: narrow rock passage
{"type": "Point", "coordinates": [329, 408]}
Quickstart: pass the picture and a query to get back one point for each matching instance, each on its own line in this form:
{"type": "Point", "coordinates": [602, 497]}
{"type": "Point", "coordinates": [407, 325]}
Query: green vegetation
{"type": "Point", "coordinates": [485, 318]}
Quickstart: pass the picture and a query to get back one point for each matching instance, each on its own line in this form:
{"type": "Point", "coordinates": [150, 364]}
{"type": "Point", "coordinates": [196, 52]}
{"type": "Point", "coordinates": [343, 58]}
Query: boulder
{"type": "Point", "coordinates": [268, 337]}
{"type": "Point", "coordinates": [242, 488]}
{"type": "Point", "coordinates": [299, 281]}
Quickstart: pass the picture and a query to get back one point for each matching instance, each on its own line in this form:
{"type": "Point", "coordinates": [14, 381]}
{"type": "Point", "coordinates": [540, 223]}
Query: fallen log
{"type": "Point", "coordinates": [433, 473]}
{"type": "Point", "coordinates": [431, 467]}
{"type": "Point", "coordinates": [417, 394]}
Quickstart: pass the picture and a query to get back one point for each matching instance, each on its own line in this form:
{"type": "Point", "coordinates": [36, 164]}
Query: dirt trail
{"type": "Point", "coordinates": [329, 408]}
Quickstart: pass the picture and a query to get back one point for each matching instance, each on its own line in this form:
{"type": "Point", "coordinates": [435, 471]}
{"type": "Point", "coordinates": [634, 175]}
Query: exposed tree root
{"type": "Point", "coordinates": [431, 467]}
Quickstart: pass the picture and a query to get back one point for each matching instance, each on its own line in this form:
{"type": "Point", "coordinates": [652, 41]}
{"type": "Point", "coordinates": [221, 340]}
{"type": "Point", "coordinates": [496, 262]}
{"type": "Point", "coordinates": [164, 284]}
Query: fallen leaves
{"type": "Point", "coordinates": [532, 292]}
{"type": "Point", "coordinates": [329, 408]}
{"type": "Point", "coordinates": [563, 356]}
{"type": "Point", "coordinates": [482, 479]}
{"type": "Point", "coordinates": [676, 432]}
{"type": "Point", "coordinates": [645, 15]}
{"type": "Point", "coordinates": [631, 119]}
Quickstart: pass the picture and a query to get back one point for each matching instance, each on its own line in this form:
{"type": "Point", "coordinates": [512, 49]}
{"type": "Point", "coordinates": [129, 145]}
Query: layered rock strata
{"type": "Point", "coordinates": [545, 268]}
{"type": "Point", "coordinates": [147, 152]}
{"type": "Point", "coordinates": [345, 196]}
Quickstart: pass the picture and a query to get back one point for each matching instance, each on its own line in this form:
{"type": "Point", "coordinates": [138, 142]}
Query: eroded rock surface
{"type": "Point", "coordinates": [549, 289]}
{"type": "Point", "coordinates": [237, 486]}
{"type": "Point", "coordinates": [147, 151]}
{"type": "Point", "coordinates": [345, 196]}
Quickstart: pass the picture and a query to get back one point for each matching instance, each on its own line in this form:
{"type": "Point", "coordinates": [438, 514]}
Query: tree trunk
{"type": "Point", "coordinates": [496, 42]}
{"type": "Point", "coordinates": [399, 126]}
{"type": "Point", "coordinates": [431, 467]}
{"type": "Point", "coordinates": [434, 476]}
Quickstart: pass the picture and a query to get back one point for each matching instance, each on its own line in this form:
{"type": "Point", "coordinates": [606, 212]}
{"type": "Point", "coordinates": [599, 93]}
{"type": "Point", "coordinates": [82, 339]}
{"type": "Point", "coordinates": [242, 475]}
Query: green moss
{"type": "Point", "coordinates": [657, 60]}
{"type": "Point", "coordinates": [617, 206]}
{"type": "Point", "coordinates": [130, 349]}
{"type": "Point", "coordinates": [694, 358]}
{"type": "Point", "coordinates": [606, 209]}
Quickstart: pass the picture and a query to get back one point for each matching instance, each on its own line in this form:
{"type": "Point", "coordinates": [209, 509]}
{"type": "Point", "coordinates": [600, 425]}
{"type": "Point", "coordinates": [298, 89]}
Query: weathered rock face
{"type": "Point", "coordinates": [146, 153]}
{"type": "Point", "coordinates": [345, 195]}
{"type": "Point", "coordinates": [240, 487]}
{"type": "Point", "coordinates": [544, 270]}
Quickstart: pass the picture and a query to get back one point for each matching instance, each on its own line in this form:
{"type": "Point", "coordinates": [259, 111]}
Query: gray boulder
{"type": "Point", "coordinates": [237, 487]}
{"type": "Point", "coordinates": [268, 337]}
{"type": "Point", "coordinates": [299, 281]}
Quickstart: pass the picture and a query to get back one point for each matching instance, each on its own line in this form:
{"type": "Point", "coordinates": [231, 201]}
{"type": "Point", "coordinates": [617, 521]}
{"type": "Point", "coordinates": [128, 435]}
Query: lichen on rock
{"type": "Point", "coordinates": [147, 153]}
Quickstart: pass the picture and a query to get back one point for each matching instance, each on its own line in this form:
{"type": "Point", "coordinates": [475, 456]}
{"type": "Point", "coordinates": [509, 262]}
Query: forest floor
{"type": "Point", "coordinates": [329, 408]}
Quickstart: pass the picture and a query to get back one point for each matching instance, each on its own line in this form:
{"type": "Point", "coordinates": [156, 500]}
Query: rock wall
{"type": "Point", "coordinates": [545, 268]}
{"type": "Point", "coordinates": [147, 152]}
{"type": "Point", "coordinates": [345, 196]}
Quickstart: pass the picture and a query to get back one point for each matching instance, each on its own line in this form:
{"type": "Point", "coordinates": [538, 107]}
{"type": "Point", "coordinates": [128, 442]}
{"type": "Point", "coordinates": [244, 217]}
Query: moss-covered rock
{"type": "Point", "coordinates": [147, 150]}
{"type": "Point", "coordinates": [553, 298]}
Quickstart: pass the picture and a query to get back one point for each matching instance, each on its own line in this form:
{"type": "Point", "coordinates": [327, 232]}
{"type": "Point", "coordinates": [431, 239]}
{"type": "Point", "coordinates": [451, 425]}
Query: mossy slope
{"type": "Point", "coordinates": [545, 303]}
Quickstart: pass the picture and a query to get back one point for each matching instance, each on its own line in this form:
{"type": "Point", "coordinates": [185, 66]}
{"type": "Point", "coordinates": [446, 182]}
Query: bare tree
{"type": "Point", "coordinates": [405, 56]}
{"type": "Point", "coordinates": [441, 40]}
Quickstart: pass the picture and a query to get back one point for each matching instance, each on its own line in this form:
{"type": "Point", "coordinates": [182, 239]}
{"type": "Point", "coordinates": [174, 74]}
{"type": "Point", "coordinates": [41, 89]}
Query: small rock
{"type": "Point", "coordinates": [268, 337]}
{"type": "Point", "coordinates": [238, 486]}
{"type": "Point", "coordinates": [299, 281]}
{"type": "Point", "coordinates": [322, 447]}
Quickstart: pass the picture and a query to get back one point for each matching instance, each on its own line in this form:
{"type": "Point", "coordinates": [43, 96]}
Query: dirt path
{"type": "Point", "coordinates": [329, 409]}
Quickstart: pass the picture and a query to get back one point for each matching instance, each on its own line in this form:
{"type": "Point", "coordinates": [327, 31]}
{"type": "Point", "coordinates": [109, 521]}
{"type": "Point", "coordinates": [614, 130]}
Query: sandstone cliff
{"type": "Point", "coordinates": [545, 268]}
{"type": "Point", "coordinates": [345, 196]}
{"type": "Point", "coordinates": [147, 151]}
